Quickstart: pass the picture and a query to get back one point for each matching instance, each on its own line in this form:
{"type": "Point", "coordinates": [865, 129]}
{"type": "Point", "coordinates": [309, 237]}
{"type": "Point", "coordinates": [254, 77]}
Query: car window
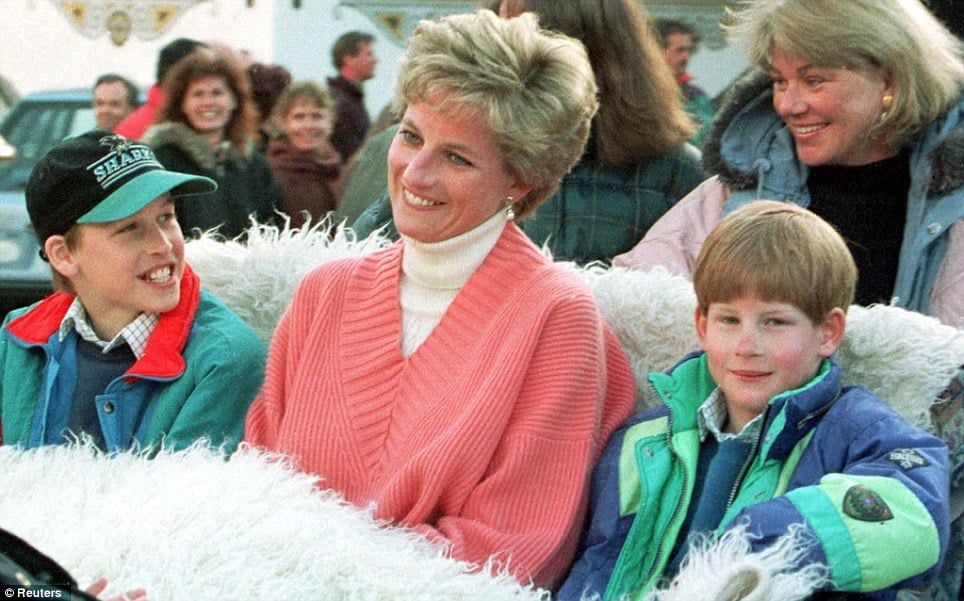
{"type": "Point", "coordinates": [84, 120]}
{"type": "Point", "coordinates": [33, 128]}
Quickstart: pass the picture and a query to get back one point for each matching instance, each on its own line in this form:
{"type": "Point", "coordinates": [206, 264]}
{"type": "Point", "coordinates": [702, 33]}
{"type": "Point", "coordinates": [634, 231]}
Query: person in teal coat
{"type": "Point", "coordinates": [757, 431]}
{"type": "Point", "coordinates": [129, 351]}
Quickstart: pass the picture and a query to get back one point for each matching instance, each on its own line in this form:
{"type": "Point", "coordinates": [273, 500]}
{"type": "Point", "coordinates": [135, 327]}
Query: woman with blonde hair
{"type": "Point", "coordinates": [855, 112]}
{"type": "Point", "coordinates": [637, 163]}
{"type": "Point", "coordinates": [458, 381]}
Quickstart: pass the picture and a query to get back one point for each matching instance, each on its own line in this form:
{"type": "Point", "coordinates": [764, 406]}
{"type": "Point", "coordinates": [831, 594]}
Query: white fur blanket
{"type": "Point", "coordinates": [727, 570]}
{"type": "Point", "coordinates": [193, 527]}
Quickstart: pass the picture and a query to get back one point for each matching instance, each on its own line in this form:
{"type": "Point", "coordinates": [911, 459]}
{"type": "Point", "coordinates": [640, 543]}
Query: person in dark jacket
{"type": "Point", "coordinates": [756, 431]}
{"type": "Point", "coordinates": [207, 126]}
{"type": "Point", "coordinates": [355, 61]}
{"type": "Point", "coordinates": [638, 163]}
{"type": "Point", "coordinates": [680, 41]}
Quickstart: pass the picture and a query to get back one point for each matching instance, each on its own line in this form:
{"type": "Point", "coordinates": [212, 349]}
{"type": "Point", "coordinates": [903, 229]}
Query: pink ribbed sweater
{"type": "Point", "coordinates": [485, 436]}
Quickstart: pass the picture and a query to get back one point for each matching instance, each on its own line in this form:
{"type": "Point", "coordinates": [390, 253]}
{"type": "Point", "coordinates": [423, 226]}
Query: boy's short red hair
{"type": "Point", "coordinates": [776, 251]}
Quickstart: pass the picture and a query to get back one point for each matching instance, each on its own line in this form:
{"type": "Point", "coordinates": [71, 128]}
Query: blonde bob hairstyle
{"type": "Point", "coordinates": [776, 252]}
{"type": "Point", "coordinates": [899, 39]}
{"type": "Point", "coordinates": [534, 89]}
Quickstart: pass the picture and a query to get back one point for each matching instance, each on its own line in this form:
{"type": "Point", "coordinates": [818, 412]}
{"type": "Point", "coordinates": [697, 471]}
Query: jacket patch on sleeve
{"type": "Point", "coordinates": [907, 459]}
{"type": "Point", "coordinates": [865, 505]}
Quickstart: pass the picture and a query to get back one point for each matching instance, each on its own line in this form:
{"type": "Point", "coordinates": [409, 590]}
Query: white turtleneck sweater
{"type": "Point", "coordinates": [434, 272]}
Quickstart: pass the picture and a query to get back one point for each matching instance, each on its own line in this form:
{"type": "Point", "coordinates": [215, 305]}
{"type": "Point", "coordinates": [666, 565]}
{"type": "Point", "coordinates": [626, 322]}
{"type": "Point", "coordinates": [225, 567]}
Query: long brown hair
{"type": "Point", "coordinates": [205, 62]}
{"type": "Point", "coordinates": [641, 112]}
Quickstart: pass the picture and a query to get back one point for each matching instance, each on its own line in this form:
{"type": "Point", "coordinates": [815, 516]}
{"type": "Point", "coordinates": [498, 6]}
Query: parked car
{"type": "Point", "coordinates": [36, 123]}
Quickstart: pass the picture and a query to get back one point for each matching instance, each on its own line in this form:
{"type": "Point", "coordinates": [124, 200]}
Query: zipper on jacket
{"type": "Point", "coordinates": [748, 461]}
{"type": "Point", "coordinates": [820, 410]}
{"type": "Point", "coordinates": [679, 501]}
{"type": "Point", "coordinates": [756, 443]}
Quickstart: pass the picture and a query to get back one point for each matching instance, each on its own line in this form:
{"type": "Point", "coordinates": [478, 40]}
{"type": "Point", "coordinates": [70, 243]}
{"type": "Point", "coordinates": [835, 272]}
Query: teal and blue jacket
{"type": "Point", "coordinates": [867, 486]}
{"type": "Point", "coordinates": [200, 371]}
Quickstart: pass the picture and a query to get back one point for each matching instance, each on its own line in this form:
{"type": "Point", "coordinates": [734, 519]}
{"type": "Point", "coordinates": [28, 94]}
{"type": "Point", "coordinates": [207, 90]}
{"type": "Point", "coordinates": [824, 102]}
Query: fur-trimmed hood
{"type": "Point", "coordinates": [195, 146]}
{"type": "Point", "coordinates": [747, 131]}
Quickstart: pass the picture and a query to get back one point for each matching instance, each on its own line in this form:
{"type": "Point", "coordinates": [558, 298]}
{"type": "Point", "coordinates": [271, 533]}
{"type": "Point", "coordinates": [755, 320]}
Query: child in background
{"type": "Point", "coordinates": [756, 430]}
{"type": "Point", "coordinates": [129, 351]}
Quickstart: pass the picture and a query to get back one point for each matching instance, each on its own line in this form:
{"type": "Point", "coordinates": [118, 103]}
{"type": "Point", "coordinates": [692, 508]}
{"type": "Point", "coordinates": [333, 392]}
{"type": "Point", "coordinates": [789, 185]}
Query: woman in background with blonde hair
{"type": "Point", "coordinates": [637, 163]}
{"type": "Point", "coordinates": [305, 164]}
{"type": "Point", "coordinates": [856, 112]}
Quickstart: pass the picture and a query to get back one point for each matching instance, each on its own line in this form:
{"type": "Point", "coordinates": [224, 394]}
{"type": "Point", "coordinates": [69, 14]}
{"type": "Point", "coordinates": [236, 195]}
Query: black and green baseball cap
{"type": "Point", "coordinates": [97, 177]}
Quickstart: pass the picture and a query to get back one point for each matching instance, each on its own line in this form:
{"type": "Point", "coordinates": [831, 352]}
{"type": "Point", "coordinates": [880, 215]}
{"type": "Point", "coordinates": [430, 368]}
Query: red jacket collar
{"type": "Point", "coordinates": [162, 357]}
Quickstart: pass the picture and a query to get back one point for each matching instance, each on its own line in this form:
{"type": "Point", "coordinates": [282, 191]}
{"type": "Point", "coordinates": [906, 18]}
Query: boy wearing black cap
{"type": "Point", "coordinates": [129, 351]}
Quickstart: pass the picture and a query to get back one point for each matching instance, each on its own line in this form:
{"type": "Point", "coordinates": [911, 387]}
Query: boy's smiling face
{"type": "Point", "coordinates": [120, 269]}
{"type": "Point", "coordinates": [757, 349]}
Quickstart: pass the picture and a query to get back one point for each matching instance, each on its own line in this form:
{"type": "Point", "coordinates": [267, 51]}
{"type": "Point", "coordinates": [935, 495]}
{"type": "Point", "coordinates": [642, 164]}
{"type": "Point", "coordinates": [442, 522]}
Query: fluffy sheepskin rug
{"type": "Point", "coordinates": [727, 570]}
{"type": "Point", "coordinates": [904, 357]}
{"type": "Point", "coordinates": [191, 526]}
{"type": "Point", "coordinates": [258, 279]}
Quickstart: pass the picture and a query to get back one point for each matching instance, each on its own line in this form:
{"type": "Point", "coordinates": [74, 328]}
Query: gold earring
{"type": "Point", "coordinates": [886, 101]}
{"type": "Point", "coordinates": [509, 209]}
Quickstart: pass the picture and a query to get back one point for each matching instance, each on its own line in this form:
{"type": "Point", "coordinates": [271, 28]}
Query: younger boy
{"type": "Point", "coordinates": [129, 351]}
{"type": "Point", "coordinates": [756, 430]}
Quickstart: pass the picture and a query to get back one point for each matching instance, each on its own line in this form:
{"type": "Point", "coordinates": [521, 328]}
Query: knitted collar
{"type": "Point", "coordinates": [448, 264]}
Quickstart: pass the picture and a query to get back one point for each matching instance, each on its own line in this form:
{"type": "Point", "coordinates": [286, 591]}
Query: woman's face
{"type": "Point", "coordinates": [829, 111]}
{"type": "Point", "coordinates": [306, 124]}
{"type": "Point", "coordinates": [208, 105]}
{"type": "Point", "coordinates": [446, 174]}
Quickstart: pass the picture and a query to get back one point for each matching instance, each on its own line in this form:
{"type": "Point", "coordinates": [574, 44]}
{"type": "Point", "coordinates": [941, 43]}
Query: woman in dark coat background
{"type": "Point", "coordinates": [207, 126]}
